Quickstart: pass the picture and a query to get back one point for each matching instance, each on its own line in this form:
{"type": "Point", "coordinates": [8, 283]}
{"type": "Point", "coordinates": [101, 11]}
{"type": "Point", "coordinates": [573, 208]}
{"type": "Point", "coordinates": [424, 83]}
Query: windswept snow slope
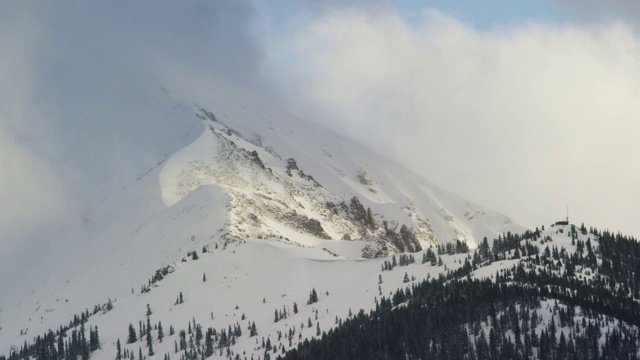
{"type": "Point", "coordinates": [327, 168]}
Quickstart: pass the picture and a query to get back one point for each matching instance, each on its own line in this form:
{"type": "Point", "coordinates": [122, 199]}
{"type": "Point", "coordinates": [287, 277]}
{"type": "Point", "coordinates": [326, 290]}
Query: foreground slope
{"type": "Point", "coordinates": [555, 294]}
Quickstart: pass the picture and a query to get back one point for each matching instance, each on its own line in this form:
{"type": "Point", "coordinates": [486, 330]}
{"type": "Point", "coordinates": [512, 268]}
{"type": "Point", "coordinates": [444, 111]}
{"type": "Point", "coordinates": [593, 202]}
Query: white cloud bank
{"type": "Point", "coordinates": [526, 118]}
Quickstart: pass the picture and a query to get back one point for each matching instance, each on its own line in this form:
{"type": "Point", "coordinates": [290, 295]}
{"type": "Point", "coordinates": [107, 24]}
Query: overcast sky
{"type": "Point", "coordinates": [527, 108]}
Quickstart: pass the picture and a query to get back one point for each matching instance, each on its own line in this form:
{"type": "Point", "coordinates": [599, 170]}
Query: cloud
{"type": "Point", "coordinates": [83, 109]}
{"type": "Point", "coordinates": [526, 118]}
{"type": "Point", "coordinates": [28, 188]}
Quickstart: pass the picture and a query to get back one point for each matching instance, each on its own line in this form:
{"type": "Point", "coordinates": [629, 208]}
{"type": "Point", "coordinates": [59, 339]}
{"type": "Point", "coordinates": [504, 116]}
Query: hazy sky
{"type": "Point", "coordinates": [526, 108]}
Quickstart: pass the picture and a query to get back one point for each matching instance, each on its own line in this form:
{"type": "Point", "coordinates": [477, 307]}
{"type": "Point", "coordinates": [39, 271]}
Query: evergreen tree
{"type": "Point", "coordinates": [118, 350]}
{"type": "Point", "coordinates": [84, 345]}
{"type": "Point", "coordinates": [160, 332]}
{"type": "Point", "coordinates": [94, 339]}
{"type": "Point", "coordinates": [61, 352]}
{"type": "Point", "coordinates": [199, 334]}
{"type": "Point", "coordinates": [149, 338]}
{"type": "Point", "coordinates": [208, 343]}
{"type": "Point", "coordinates": [313, 297]}
{"type": "Point", "coordinates": [132, 335]}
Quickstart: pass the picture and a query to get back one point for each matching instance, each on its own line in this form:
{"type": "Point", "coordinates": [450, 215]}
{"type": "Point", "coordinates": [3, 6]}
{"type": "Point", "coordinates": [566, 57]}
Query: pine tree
{"type": "Point", "coordinates": [149, 339]}
{"type": "Point", "coordinates": [208, 343]}
{"type": "Point", "coordinates": [204, 277]}
{"type": "Point", "coordinates": [295, 308]}
{"type": "Point", "coordinates": [61, 352]}
{"type": "Point", "coordinates": [160, 332]}
{"type": "Point", "coordinates": [118, 350]}
{"type": "Point", "coordinates": [94, 339]}
{"type": "Point", "coordinates": [370, 219]}
{"type": "Point", "coordinates": [253, 331]}
{"type": "Point", "coordinates": [132, 335]}
{"type": "Point", "coordinates": [313, 297]}
{"type": "Point", "coordinates": [199, 334]}
{"type": "Point", "coordinates": [84, 345]}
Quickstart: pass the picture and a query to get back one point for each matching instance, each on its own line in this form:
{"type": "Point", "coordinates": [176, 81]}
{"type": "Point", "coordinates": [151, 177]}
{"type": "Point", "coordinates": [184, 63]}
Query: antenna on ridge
{"type": "Point", "coordinates": [567, 213]}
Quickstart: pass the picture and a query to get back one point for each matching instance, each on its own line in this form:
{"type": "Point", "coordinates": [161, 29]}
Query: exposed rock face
{"type": "Point", "coordinates": [314, 227]}
{"type": "Point", "coordinates": [408, 240]}
{"type": "Point", "coordinates": [270, 196]}
{"type": "Point", "coordinates": [292, 165]}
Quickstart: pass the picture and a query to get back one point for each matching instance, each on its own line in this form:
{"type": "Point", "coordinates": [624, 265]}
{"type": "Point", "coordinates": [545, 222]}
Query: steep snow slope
{"type": "Point", "coordinates": [278, 168]}
{"type": "Point", "coordinates": [231, 184]}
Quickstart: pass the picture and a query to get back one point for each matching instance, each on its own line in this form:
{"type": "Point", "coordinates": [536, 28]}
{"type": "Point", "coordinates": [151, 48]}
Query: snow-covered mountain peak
{"type": "Point", "coordinates": [290, 178]}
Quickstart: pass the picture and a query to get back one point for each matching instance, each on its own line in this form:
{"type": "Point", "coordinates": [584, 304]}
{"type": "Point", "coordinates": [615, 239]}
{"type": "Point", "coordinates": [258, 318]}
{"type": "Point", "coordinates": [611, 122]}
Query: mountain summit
{"type": "Point", "coordinates": [290, 178]}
